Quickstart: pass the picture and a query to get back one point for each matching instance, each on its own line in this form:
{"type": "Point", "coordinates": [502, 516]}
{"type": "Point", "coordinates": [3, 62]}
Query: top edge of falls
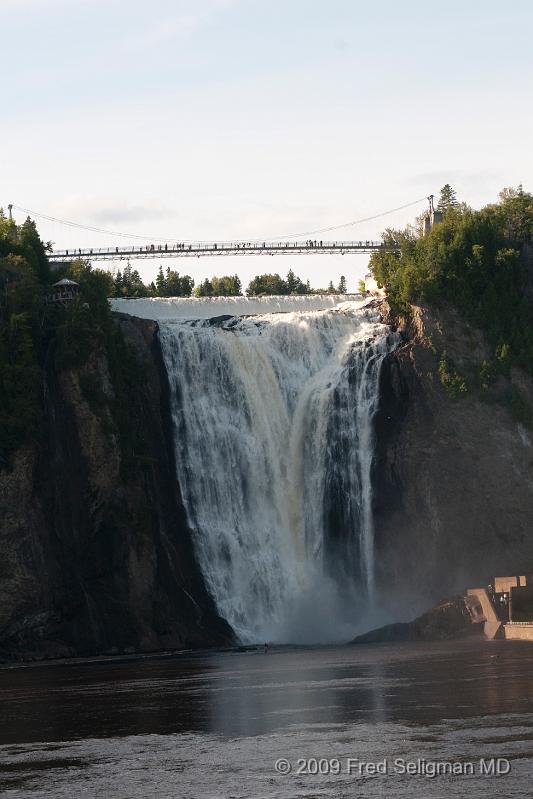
{"type": "Point", "coordinates": [169, 308]}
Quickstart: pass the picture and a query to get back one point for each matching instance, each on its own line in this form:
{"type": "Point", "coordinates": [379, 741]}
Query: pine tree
{"type": "Point", "coordinates": [118, 290]}
{"type": "Point", "coordinates": [34, 249]}
{"type": "Point", "coordinates": [447, 199]}
{"type": "Point", "coordinates": [173, 283]}
{"type": "Point", "coordinates": [160, 283]}
{"type": "Point", "coordinates": [127, 280]}
{"type": "Point", "coordinates": [292, 282]}
{"type": "Point", "coordinates": [342, 285]}
{"type": "Point", "coordinates": [186, 285]}
{"type": "Point", "coordinates": [331, 288]}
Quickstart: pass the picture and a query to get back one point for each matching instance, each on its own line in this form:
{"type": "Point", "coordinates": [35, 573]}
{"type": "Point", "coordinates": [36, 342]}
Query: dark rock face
{"type": "Point", "coordinates": [447, 620]}
{"type": "Point", "coordinates": [94, 561]}
{"type": "Point", "coordinates": [453, 477]}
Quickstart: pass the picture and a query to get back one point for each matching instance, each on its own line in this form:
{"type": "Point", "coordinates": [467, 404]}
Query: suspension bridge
{"type": "Point", "coordinates": [156, 247]}
{"type": "Point", "coordinates": [183, 250]}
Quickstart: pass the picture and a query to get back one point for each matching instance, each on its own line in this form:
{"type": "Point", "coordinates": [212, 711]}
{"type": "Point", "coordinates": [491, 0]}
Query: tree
{"type": "Point", "coordinates": [172, 284]}
{"type": "Point", "coordinates": [226, 286]}
{"type": "Point", "coordinates": [160, 283]}
{"type": "Point", "coordinates": [132, 285]}
{"type": "Point", "coordinates": [186, 286]}
{"type": "Point", "coordinates": [331, 288]}
{"type": "Point", "coordinates": [266, 284]}
{"type": "Point", "coordinates": [342, 285]}
{"type": "Point", "coordinates": [8, 234]}
{"type": "Point", "coordinates": [475, 261]}
{"type": "Point", "coordinates": [516, 212]}
{"type": "Point", "coordinates": [204, 289]}
{"type": "Point", "coordinates": [34, 249]}
{"type": "Point", "coordinates": [447, 199]}
{"type": "Point", "coordinates": [118, 285]}
{"type": "Point", "coordinates": [292, 282]}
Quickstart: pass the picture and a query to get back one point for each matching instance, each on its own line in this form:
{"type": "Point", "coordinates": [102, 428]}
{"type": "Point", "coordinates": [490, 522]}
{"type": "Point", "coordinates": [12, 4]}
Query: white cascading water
{"type": "Point", "coordinates": [274, 446]}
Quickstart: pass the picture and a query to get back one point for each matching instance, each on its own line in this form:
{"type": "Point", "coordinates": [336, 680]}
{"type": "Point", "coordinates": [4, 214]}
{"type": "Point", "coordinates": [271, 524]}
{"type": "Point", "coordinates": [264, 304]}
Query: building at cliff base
{"type": "Point", "coordinates": [505, 607]}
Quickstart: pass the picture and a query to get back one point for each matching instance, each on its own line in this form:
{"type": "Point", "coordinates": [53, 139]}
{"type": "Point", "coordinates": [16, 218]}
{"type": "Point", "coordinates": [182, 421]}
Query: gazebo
{"type": "Point", "coordinates": [64, 290]}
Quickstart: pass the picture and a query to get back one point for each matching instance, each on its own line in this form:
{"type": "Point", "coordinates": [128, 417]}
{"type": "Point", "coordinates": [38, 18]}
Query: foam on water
{"type": "Point", "coordinates": [209, 307]}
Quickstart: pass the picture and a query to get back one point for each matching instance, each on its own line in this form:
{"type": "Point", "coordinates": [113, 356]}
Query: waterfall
{"type": "Point", "coordinates": [273, 437]}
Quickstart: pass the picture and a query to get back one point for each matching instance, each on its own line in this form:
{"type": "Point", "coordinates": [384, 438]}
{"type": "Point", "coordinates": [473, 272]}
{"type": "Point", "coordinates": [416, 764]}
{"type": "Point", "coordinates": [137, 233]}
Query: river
{"type": "Point", "coordinates": [206, 725]}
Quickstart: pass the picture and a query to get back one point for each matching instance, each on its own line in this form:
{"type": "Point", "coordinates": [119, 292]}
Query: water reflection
{"type": "Point", "coordinates": [247, 694]}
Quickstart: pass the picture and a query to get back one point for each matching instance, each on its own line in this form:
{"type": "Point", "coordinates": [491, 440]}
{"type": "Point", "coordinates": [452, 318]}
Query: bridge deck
{"type": "Point", "coordinates": [186, 250]}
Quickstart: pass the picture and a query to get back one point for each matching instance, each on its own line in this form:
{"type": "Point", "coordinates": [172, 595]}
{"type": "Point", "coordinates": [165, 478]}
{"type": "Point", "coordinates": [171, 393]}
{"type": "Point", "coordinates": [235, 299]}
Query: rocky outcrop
{"type": "Point", "coordinates": [448, 620]}
{"type": "Point", "coordinates": [96, 553]}
{"type": "Point", "coordinates": [453, 476]}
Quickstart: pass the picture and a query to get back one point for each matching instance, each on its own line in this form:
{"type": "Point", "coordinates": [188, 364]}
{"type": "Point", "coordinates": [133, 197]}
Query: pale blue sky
{"type": "Point", "coordinates": [229, 118]}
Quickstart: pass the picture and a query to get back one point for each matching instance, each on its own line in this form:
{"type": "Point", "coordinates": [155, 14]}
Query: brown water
{"type": "Point", "coordinates": [214, 724]}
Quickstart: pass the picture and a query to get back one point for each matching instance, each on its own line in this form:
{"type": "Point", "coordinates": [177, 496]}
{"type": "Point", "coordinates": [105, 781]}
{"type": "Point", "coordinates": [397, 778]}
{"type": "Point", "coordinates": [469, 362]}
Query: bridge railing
{"type": "Point", "coordinates": [184, 248]}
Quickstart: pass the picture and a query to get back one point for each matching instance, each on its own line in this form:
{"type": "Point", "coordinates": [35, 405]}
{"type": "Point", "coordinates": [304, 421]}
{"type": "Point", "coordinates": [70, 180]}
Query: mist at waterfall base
{"type": "Point", "coordinates": [273, 435]}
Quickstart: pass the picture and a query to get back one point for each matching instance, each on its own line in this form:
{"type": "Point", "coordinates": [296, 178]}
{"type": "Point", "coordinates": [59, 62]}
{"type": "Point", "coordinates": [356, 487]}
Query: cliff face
{"type": "Point", "coordinates": [453, 477]}
{"type": "Point", "coordinates": [97, 557]}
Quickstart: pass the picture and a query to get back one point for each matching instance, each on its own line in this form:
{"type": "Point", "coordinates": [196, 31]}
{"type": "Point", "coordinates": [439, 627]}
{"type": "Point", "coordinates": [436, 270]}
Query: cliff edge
{"type": "Point", "coordinates": [96, 553]}
{"type": "Point", "coordinates": [454, 465]}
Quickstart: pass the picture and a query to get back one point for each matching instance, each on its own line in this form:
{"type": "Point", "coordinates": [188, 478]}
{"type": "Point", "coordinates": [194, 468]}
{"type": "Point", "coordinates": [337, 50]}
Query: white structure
{"type": "Point", "coordinates": [372, 287]}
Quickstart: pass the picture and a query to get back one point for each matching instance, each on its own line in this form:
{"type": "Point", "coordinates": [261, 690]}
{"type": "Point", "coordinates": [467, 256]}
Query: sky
{"type": "Point", "coordinates": [238, 119]}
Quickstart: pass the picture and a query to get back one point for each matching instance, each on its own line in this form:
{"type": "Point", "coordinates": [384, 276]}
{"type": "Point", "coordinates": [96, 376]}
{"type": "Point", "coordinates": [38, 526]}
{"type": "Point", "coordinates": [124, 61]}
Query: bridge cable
{"type": "Point", "coordinates": [92, 229]}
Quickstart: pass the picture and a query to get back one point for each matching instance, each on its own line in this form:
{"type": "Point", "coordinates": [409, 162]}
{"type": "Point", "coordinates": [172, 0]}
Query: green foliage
{"type": "Point", "coordinates": [292, 282]}
{"type": "Point", "coordinates": [128, 284]}
{"type": "Point", "coordinates": [75, 334]}
{"type": "Point", "coordinates": [341, 288]}
{"type": "Point", "coordinates": [171, 284]}
{"type": "Point", "coordinates": [447, 199]}
{"type": "Point", "coordinates": [475, 260]}
{"type": "Point", "coordinates": [361, 287]}
{"type": "Point", "coordinates": [487, 374]}
{"type": "Point", "coordinates": [20, 379]}
{"type": "Point", "coordinates": [295, 285]}
{"type": "Point", "coordinates": [267, 284]}
{"type": "Point", "coordinates": [274, 284]}
{"type": "Point", "coordinates": [24, 241]}
{"type": "Point", "coordinates": [69, 335]}
{"type": "Point", "coordinates": [225, 286]}
{"type": "Point", "coordinates": [79, 328]}
{"type": "Point", "coordinates": [451, 379]}
{"type": "Point", "coordinates": [23, 268]}
{"type": "Point", "coordinates": [204, 289]}
{"type": "Point", "coordinates": [502, 358]}
{"type": "Point", "coordinates": [515, 212]}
